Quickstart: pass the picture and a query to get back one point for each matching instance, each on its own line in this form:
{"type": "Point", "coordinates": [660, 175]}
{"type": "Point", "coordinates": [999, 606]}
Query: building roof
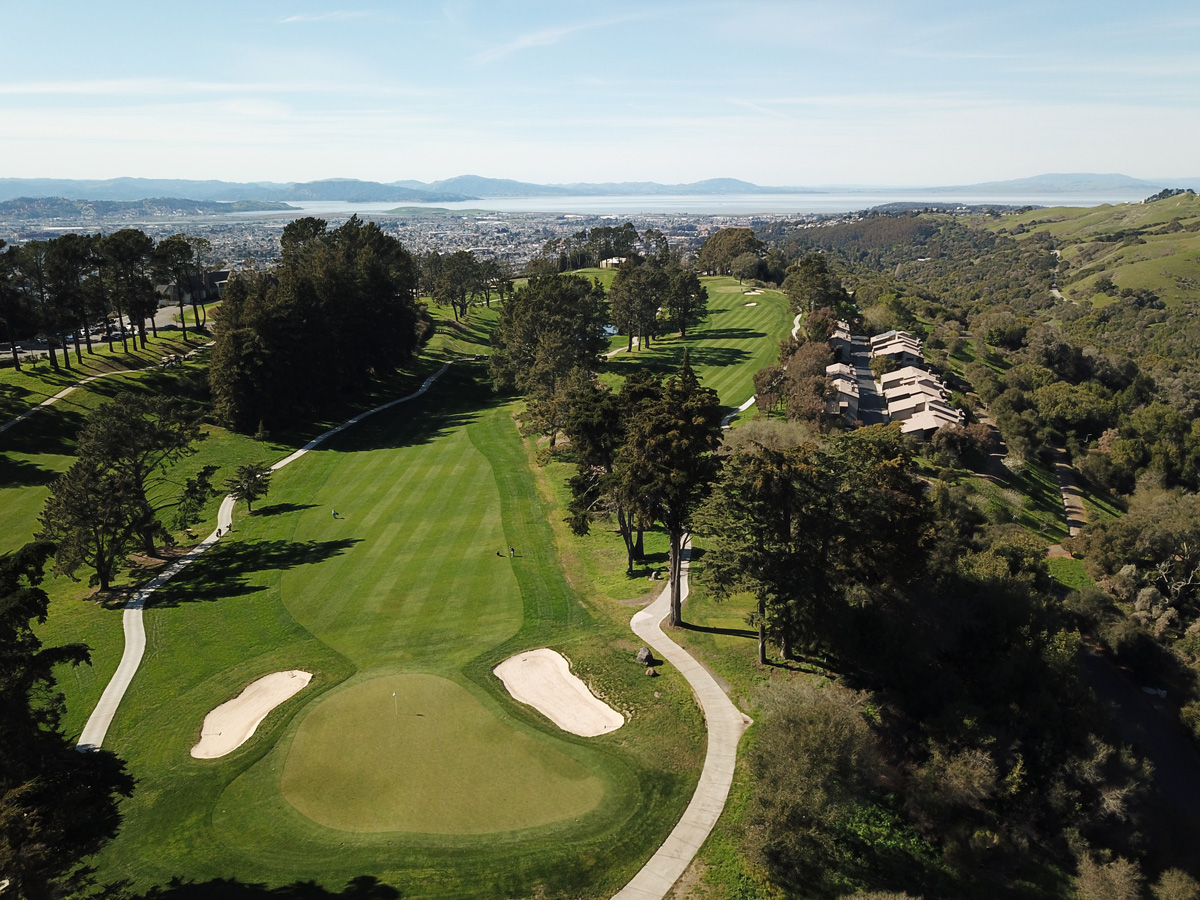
{"type": "Point", "coordinates": [901, 344]}
{"type": "Point", "coordinates": [901, 376]}
{"type": "Point", "coordinates": [930, 420]}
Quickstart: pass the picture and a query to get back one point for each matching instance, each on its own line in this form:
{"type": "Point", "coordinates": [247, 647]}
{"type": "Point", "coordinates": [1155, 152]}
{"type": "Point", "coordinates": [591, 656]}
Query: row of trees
{"type": "Point", "coordinates": [551, 330]}
{"type": "Point", "coordinates": [588, 248]}
{"type": "Point", "coordinates": [645, 454]}
{"type": "Point", "coordinates": [650, 297]}
{"type": "Point", "coordinates": [460, 280]}
{"type": "Point", "coordinates": [339, 308]}
{"type": "Point", "coordinates": [60, 288]}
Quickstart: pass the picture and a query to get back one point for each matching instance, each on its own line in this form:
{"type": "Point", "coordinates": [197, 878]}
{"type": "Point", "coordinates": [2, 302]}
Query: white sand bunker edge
{"type": "Point", "coordinates": [542, 679]}
{"type": "Point", "coordinates": [232, 723]}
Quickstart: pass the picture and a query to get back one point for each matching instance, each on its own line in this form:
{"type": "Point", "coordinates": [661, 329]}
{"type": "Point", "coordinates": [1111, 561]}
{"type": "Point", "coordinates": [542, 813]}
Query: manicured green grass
{"type": "Point", "coordinates": [445, 762]}
{"type": "Point", "coordinates": [36, 451]}
{"type": "Point", "coordinates": [728, 348]}
{"type": "Point", "coordinates": [38, 381]}
{"type": "Point", "coordinates": [592, 273]}
{"type": "Point", "coordinates": [406, 587]}
{"type": "Point", "coordinates": [404, 591]}
{"type": "Point", "coordinates": [452, 339]}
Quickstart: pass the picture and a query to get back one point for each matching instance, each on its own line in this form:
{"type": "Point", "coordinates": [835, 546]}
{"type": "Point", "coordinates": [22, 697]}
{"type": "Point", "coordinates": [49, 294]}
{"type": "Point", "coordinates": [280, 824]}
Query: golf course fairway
{"type": "Point", "coordinates": [404, 759]}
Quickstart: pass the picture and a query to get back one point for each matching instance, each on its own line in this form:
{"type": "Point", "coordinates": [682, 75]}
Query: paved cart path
{"type": "Point", "coordinates": [725, 722]}
{"type": "Point", "coordinates": [50, 401]}
{"type": "Point", "coordinates": [101, 718]}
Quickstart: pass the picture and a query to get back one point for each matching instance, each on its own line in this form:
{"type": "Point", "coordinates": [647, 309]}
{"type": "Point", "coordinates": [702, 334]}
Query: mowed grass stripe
{"type": "Point", "coordinates": [225, 622]}
{"type": "Point", "coordinates": [407, 590]}
{"type": "Point", "coordinates": [733, 343]}
{"type": "Point", "coordinates": [550, 603]}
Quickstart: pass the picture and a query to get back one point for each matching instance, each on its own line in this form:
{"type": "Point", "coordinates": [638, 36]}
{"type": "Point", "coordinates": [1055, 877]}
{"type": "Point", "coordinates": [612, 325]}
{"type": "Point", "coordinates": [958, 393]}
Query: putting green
{"type": "Point", "coordinates": [431, 760]}
{"type": "Point", "coordinates": [410, 589]}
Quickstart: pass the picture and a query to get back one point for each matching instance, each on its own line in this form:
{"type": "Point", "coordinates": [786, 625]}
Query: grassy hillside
{"type": "Point", "coordinates": [739, 337]}
{"type": "Point", "coordinates": [1140, 246]}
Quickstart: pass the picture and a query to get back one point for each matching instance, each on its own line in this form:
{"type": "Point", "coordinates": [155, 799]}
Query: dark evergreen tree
{"type": "Point", "coordinates": [668, 462]}
{"type": "Point", "coordinates": [57, 806]}
{"type": "Point", "coordinates": [340, 309]}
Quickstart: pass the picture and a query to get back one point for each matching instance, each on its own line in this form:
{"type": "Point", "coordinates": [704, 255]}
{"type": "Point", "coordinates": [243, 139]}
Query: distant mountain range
{"type": "Point", "coordinates": [346, 189]}
{"type": "Point", "coordinates": [475, 187]}
{"type": "Point", "coordinates": [1071, 183]}
{"type": "Point", "coordinates": [30, 208]}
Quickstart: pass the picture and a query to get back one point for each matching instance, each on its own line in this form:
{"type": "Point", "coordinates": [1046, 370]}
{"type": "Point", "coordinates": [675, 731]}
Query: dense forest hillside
{"type": "Point", "coordinates": [1074, 332]}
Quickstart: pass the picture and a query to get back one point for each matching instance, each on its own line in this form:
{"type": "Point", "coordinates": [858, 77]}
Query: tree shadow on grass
{"type": "Point", "coordinates": [50, 430]}
{"type": "Point", "coordinates": [223, 571]}
{"type": "Point", "coordinates": [363, 887]}
{"type": "Point", "coordinates": [18, 473]}
{"type": "Point", "coordinates": [668, 358]}
{"type": "Point", "coordinates": [732, 632]}
{"type": "Point", "coordinates": [727, 334]}
{"type": "Point", "coordinates": [454, 401]}
{"type": "Point", "coordinates": [278, 509]}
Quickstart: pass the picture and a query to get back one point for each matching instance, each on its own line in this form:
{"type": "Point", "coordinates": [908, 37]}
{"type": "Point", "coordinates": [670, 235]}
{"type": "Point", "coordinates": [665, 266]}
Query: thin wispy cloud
{"type": "Point", "coordinates": [547, 37]}
{"type": "Point", "coordinates": [544, 38]}
{"type": "Point", "coordinates": [340, 15]}
{"type": "Point", "coordinates": [154, 87]}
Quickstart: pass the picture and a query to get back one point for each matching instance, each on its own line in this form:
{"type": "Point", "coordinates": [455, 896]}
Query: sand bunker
{"type": "Point", "coordinates": [231, 724]}
{"type": "Point", "coordinates": [751, 303]}
{"type": "Point", "coordinates": [753, 293]}
{"type": "Point", "coordinates": [542, 679]}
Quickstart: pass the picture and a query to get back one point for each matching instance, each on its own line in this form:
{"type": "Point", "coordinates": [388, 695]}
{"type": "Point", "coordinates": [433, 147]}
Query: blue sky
{"type": "Point", "coordinates": [790, 93]}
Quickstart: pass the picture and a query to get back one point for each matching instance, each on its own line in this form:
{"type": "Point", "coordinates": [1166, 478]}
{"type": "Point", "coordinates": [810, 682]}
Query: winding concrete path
{"type": "Point", "coordinates": [727, 421]}
{"type": "Point", "coordinates": [50, 401]}
{"type": "Point", "coordinates": [101, 718]}
{"type": "Point", "coordinates": [611, 353]}
{"type": "Point", "coordinates": [725, 722]}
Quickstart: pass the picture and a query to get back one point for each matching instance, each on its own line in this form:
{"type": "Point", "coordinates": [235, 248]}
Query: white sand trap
{"type": "Point", "coordinates": [753, 293]}
{"type": "Point", "coordinates": [751, 303]}
{"type": "Point", "coordinates": [231, 724]}
{"type": "Point", "coordinates": [542, 679]}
